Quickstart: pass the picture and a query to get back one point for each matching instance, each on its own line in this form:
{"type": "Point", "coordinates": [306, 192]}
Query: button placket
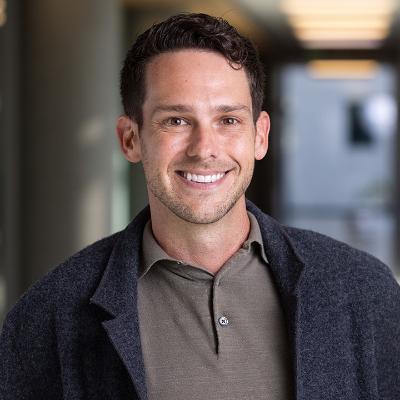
{"type": "Point", "coordinates": [221, 316]}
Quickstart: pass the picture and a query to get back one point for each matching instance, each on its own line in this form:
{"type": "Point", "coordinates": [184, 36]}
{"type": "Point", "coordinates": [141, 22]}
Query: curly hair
{"type": "Point", "coordinates": [188, 31]}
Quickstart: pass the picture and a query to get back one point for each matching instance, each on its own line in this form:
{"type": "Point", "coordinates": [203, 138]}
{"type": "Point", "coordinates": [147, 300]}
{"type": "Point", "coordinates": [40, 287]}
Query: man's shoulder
{"type": "Point", "coordinates": [74, 282]}
{"type": "Point", "coordinates": [68, 283]}
{"type": "Point", "coordinates": [338, 264]}
{"type": "Point", "coordinates": [320, 247]}
{"type": "Point", "coordinates": [327, 261]}
{"type": "Point", "coordinates": [85, 265]}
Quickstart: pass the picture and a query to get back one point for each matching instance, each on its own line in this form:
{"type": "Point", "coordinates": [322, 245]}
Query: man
{"type": "Point", "coordinates": [203, 296]}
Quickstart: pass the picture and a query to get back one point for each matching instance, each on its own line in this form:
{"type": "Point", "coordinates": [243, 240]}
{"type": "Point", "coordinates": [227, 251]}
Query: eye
{"type": "Point", "coordinates": [230, 121]}
{"type": "Point", "coordinates": [176, 121]}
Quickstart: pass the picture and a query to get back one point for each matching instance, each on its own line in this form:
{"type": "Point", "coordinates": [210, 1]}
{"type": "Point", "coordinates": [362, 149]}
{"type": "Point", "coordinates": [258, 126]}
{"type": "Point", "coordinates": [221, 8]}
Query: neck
{"type": "Point", "coordinates": [205, 245]}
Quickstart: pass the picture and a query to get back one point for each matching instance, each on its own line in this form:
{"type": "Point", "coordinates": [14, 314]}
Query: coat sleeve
{"type": "Point", "coordinates": [28, 358]}
{"type": "Point", "coordinates": [387, 337]}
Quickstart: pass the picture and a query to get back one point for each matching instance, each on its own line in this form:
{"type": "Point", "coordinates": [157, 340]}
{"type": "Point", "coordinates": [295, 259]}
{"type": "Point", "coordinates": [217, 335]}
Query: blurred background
{"type": "Point", "coordinates": [332, 92]}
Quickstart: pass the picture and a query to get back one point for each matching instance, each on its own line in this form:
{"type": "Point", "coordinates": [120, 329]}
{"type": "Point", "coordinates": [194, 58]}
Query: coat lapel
{"type": "Point", "coordinates": [286, 264]}
{"type": "Point", "coordinates": [117, 295]}
{"type": "Point", "coordinates": [288, 269]}
{"type": "Point", "coordinates": [123, 332]}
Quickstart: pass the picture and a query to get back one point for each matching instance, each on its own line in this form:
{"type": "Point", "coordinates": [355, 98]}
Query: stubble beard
{"type": "Point", "coordinates": [184, 211]}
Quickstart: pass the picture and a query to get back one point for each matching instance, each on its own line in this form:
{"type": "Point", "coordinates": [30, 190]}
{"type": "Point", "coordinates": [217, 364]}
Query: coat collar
{"type": "Point", "coordinates": [286, 263]}
{"type": "Point", "coordinates": [117, 291]}
{"type": "Point", "coordinates": [287, 268]}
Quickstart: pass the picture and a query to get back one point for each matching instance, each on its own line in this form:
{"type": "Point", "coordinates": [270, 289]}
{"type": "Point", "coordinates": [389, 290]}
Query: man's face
{"type": "Point", "coordinates": [198, 141]}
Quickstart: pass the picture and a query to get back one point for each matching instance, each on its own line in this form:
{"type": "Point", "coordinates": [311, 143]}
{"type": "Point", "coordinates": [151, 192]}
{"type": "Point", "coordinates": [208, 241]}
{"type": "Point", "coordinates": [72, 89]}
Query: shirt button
{"type": "Point", "coordinates": [223, 321]}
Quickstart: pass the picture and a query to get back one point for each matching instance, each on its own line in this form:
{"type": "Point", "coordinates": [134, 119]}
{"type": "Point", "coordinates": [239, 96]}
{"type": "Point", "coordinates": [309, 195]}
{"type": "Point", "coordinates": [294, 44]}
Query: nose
{"type": "Point", "coordinates": [203, 143]}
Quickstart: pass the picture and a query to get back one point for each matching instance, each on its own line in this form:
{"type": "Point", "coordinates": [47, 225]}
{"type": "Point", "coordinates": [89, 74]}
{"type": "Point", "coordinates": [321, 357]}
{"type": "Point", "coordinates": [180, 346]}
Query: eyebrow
{"type": "Point", "coordinates": [172, 108]}
{"type": "Point", "coordinates": [232, 107]}
{"type": "Point", "coordinates": [185, 108]}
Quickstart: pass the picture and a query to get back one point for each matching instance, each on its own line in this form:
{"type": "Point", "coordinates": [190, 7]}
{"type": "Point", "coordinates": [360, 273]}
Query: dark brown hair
{"type": "Point", "coordinates": [187, 31]}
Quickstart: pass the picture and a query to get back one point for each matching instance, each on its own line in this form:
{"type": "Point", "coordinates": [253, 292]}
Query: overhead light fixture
{"type": "Point", "coordinates": [339, 23]}
{"type": "Point", "coordinates": [349, 34]}
{"type": "Point", "coordinates": [342, 69]}
{"type": "Point", "coordinates": [338, 7]}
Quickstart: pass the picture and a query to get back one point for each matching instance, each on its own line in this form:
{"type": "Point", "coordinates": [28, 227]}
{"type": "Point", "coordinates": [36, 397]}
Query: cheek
{"type": "Point", "coordinates": [243, 150]}
{"type": "Point", "coordinates": [158, 154]}
{"type": "Point", "coordinates": [172, 148]}
{"type": "Point", "coordinates": [174, 145]}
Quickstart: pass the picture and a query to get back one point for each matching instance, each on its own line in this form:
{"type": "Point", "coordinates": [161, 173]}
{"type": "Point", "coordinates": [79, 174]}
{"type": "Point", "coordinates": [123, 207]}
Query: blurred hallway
{"type": "Point", "coordinates": [338, 155]}
{"type": "Point", "coordinates": [334, 158]}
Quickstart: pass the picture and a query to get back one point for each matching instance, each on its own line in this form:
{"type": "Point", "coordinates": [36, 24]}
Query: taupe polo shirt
{"type": "Point", "coordinates": [212, 337]}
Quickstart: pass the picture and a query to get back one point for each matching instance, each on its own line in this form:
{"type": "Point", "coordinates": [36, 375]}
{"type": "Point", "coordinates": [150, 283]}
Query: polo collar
{"type": "Point", "coordinates": [152, 252]}
{"type": "Point", "coordinates": [117, 291]}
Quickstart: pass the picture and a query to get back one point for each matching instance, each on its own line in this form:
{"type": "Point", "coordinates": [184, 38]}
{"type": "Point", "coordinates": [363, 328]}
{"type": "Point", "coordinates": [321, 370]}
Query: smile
{"type": "Point", "coordinates": [202, 178]}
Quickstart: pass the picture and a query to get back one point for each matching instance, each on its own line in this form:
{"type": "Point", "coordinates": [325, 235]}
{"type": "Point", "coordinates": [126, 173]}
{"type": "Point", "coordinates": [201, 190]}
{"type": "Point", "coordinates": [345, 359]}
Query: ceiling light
{"type": "Point", "coordinates": [331, 21]}
{"type": "Point", "coordinates": [338, 7]}
{"type": "Point", "coordinates": [339, 23]}
{"type": "Point", "coordinates": [341, 34]}
{"type": "Point", "coordinates": [342, 69]}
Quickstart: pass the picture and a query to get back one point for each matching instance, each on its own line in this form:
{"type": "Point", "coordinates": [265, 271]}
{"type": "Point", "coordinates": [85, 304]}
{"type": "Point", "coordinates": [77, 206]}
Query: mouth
{"type": "Point", "coordinates": [200, 178]}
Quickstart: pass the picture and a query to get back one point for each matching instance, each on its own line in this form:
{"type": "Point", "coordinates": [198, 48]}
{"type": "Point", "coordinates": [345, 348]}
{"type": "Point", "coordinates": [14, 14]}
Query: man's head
{"type": "Point", "coordinates": [188, 31]}
{"type": "Point", "coordinates": [191, 118]}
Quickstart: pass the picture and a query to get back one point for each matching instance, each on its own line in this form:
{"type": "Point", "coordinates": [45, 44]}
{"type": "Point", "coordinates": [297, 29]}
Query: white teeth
{"type": "Point", "coordinates": [203, 178]}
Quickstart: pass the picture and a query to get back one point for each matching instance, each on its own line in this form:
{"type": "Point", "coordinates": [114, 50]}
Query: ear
{"type": "Point", "coordinates": [128, 136]}
{"type": "Point", "coordinates": [262, 132]}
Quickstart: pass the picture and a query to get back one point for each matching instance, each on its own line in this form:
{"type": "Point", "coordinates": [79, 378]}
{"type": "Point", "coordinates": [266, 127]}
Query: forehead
{"type": "Point", "coordinates": [190, 75]}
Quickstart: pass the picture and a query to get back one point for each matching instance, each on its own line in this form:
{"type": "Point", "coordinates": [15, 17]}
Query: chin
{"type": "Point", "coordinates": [199, 219]}
{"type": "Point", "coordinates": [200, 215]}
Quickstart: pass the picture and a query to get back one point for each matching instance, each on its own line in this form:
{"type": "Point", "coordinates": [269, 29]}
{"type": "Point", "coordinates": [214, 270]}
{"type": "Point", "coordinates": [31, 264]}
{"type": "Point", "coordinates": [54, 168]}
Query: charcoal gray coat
{"type": "Point", "coordinates": [75, 335]}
